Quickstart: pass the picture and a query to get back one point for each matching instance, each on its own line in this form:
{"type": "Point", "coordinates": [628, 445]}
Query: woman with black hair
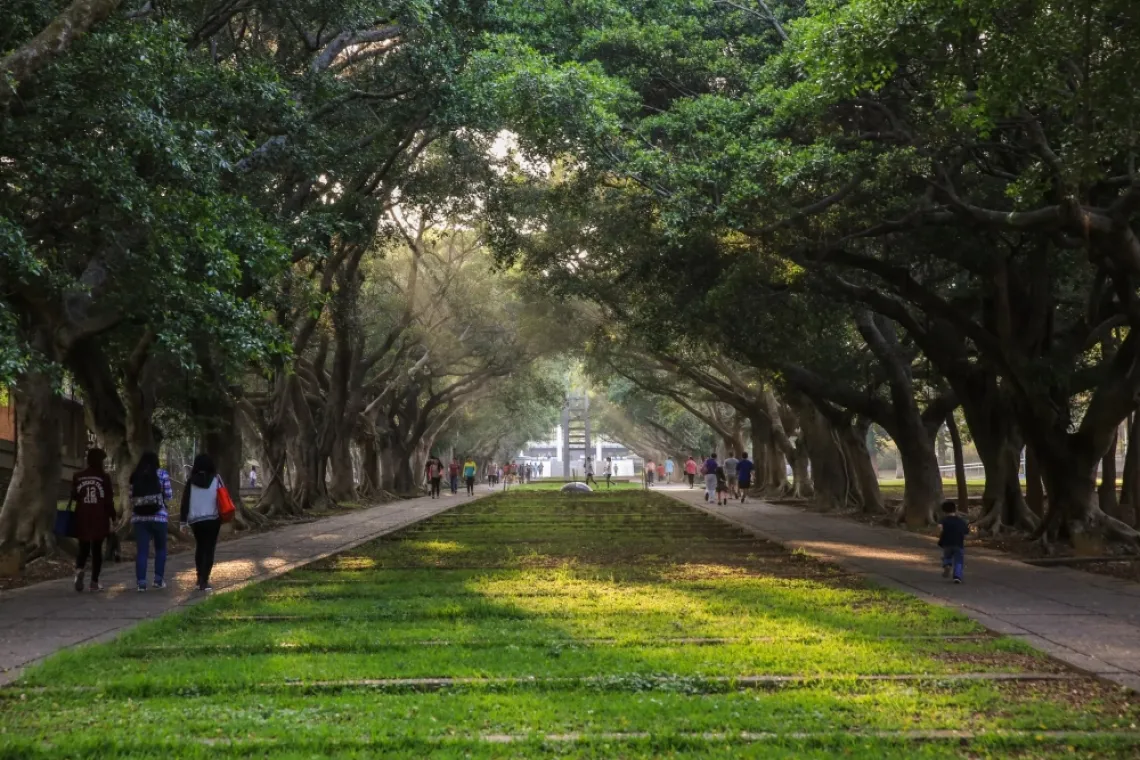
{"type": "Point", "coordinates": [150, 493]}
{"type": "Point", "coordinates": [200, 511]}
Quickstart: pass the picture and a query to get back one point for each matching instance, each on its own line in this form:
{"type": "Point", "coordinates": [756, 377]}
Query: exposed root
{"type": "Point", "coordinates": [991, 522]}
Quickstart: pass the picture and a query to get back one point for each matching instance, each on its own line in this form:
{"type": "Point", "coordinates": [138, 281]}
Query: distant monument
{"type": "Point", "coordinates": [576, 432]}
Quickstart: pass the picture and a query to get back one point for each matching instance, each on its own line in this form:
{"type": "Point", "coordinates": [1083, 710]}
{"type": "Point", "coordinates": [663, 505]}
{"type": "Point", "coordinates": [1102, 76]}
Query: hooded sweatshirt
{"type": "Point", "coordinates": [200, 498]}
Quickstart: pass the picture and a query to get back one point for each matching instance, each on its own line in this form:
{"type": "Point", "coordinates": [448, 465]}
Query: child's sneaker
{"type": "Point", "coordinates": [957, 580]}
{"type": "Point", "coordinates": [946, 572]}
{"type": "Point", "coordinates": [206, 588]}
{"type": "Point", "coordinates": [79, 580]}
{"type": "Point", "coordinates": [95, 586]}
{"type": "Point", "coordinates": [159, 583]}
{"type": "Point", "coordinates": [142, 587]}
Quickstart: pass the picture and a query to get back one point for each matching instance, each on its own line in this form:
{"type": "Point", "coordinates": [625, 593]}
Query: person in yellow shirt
{"type": "Point", "coordinates": [469, 470]}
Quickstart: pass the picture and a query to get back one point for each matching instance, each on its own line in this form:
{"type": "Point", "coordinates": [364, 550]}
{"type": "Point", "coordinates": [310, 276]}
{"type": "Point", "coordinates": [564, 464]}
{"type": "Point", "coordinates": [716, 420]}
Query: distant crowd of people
{"type": "Point", "coordinates": [491, 473]}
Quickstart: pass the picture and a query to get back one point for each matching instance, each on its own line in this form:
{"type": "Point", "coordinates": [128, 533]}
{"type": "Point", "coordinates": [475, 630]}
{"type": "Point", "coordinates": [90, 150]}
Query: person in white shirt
{"type": "Point", "coordinates": [729, 465]}
{"type": "Point", "coordinates": [609, 472]}
{"type": "Point", "coordinates": [590, 471]}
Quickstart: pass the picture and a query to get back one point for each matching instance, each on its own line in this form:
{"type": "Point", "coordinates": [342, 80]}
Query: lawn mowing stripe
{"type": "Point", "coordinates": [190, 650]}
{"type": "Point", "coordinates": [692, 684]}
{"type": "Point", "coordinates": [768, 736]}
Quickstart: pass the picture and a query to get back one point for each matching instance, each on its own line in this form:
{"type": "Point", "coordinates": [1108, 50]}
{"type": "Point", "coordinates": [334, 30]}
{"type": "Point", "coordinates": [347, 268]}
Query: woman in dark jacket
{"type": "Point", "coordinates": [200, 511]}
{"type": "Point", "coordinates": [94, 498]}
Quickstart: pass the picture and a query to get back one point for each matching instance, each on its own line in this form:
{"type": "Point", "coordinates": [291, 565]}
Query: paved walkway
{"type": "Point", "coordinates": [38, 620]}
{"type": "Point", "coordinates": [1090, 621]}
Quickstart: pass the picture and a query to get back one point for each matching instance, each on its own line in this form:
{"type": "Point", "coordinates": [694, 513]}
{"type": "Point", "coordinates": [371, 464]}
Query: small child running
{"type": "Point", "coordinates": [953, 541]}
{"type": "Point", "coordinates": [722, 489]}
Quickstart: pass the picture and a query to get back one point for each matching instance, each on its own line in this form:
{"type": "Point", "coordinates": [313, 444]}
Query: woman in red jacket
{"type": "Point", "coordinates": [94, 498]}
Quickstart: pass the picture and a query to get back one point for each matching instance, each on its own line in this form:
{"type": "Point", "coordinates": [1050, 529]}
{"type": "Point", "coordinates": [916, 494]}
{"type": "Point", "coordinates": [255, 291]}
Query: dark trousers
{"type": "Point", "coordinates": [691, 478]}
{"type": "Point", "coordinates": [471, 486]}
{"type": "Point", "coordinates": [95, 550]}
{"type": "Point", "coordinates": [147, 532]}
{"type": "Point", "coordinates": [954, 557]}
{"type": "Point", "coordinates": [454, 483]}
{"type": "Point", "coordinates": [205, 542]}
{"type": "Point", "coordinates": [435, 487]}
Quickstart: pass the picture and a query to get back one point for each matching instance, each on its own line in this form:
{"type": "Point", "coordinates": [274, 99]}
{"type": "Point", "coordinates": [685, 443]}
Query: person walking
{"type": "Point", "coordinates": [253, 476]}
{"type": "Point", "coordinates": [590, 471]}
{"type": "Point", "coordinates": [661, 473]}
{"type": "Point", "coordinates": [201, 515]}
{"type": "Point", "coordinates": [952, 541]}
{"type": "Point", "coordinates": [744, 470]}
{"type": "Point", "coordinates": [94, 498]}
{"type": "Point", "coordinates": [721, 486]}
{"type": "Point", "coordinates": [150, 492]}
{"type": "Point", "coordinates": [650, 473]}
{"type": "Point", "coordinates": [669, 469]}
{"type": "Point", "coordinates": [434, 470]}
{"type": "Point", "coordinates": [453, 476]}
{"type": "Point", "coordinates": [730, 467]}
{"type": "Point", "coordinates": [691, 471]}
{"type": "Point", "coordinates": [609, 471]}
{"type": "Point", "coordinates": [469, 470]}
{"type": "Point", "coordinates": [710, 468]}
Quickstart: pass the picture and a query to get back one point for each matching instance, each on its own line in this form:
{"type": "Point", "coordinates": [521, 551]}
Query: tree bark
{"type": "Point", "coordinates": [343, 484]}
{"type": "Point", "coordinates": [959, 463]}
{"type": "Point", "coordinates": [922, 486]}
{"type": "Point", "coordinates": [1128, 491]}
{"type": "Point", "coordinates": [29, 506]}
{"type": "Point", "coordinates": [370, 485]}
{"type": "Point", "coordinates": [1106, 492]}
{"type": "Point", "coordinates": [25, 61]}
{"type": "Point", "coordinates": [1034, 487]}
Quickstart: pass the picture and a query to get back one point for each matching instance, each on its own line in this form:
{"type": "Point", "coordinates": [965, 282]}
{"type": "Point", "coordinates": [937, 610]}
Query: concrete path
{"type": "Point", "coordinates": [38, 620]}
{"type": "Point", "coordinates": [1089, 621]}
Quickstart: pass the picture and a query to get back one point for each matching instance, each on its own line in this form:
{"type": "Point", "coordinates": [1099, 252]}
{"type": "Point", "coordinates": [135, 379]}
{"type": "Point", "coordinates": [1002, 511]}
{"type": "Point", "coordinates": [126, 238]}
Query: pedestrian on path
{"type": "Point", "coordinates": [469, 470]}
{"type": "Point", "coordinates": [691, 471]}
{"type": "Point", "coordinates": [721, 486]}
{"type": "Point", "coordinates": [201, 514]}
{"type": "Point", "coordinates": [669, 468]}
{"type": "Point", "coordinates": [94, 498]}
{"type": "Point", "coordinates": [661, 473]}
{"type": "Point", "coordinates": [609, 472]}
{"type": "Point", "coordinates": [650, 473]}
{"type": "Point", "coordinates": [434, 472]}
{"type": "Point", "coordinates": [590, 471]}
{"type": "Point", "coordinates": [953, 541]}
{"type": "Point", "coordinates": [453, 475]}
{"type": "Point", "coordinates": [150, 493]}
{"type": "Point", "coordinates": [744, 470]}
{"type": "Point", "coordinates": [710, 468]}
{"type": "Point", "coordinates": [730, 473]}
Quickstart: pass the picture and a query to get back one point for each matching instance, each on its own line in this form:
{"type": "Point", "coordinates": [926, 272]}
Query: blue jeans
{"type": "Point", "coordinates": [453, 481]}
{"type": "Point", "coordinates": [954, 556]}
{"type": "Point", "coordinates": [145, 532]}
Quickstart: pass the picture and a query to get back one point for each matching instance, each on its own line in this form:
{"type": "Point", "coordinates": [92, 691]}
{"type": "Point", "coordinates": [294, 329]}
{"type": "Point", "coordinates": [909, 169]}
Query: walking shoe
{"type": "Point", "coordinates": [78, 580]}
{"type": "Point", "coordinates": [96, 586]}
{"type": "Point", "coordinates": [946, 572]}
{"type": "Point", "coordinates": [159, 583]}
{"type": "Point", "coordinates": [142, 587]}
{"type": "Point", "coordinates": [205, 589]}
{"type": "Point", "coordinates": [957, 580]}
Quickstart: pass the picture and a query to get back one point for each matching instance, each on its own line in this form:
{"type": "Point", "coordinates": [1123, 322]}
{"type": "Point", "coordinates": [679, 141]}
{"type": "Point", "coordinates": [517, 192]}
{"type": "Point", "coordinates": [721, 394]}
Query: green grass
{"type": "Point", "coordinates": [613, 625]}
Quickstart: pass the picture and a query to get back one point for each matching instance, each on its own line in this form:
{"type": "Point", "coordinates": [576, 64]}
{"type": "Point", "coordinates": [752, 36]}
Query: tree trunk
{"type": "Point", "coordinates": [922, 487]}
{"type": "Point", "coordinates": [1106, 493]}
{"type": "Point", "coordinates": [28, 511]}
{"type": "Point", "coordinates": [370, 485]}
{"type": "Point", "coordinates": [959, 463]}
{"type": "Point", "coordinates": [1034, 488]}
{"type": "Point", "coordinates": [853, 438]}
{"type": "Point", "coordinates": [1069, 473]}
{"type": "Point", "coordinates": [1128, 491]}
{"type": "Point", "coordinates": [343, 485]}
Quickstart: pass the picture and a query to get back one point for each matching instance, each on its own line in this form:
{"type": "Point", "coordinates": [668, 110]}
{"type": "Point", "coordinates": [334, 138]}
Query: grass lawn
{"type": "Point", "coordinates": [532, 624]}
